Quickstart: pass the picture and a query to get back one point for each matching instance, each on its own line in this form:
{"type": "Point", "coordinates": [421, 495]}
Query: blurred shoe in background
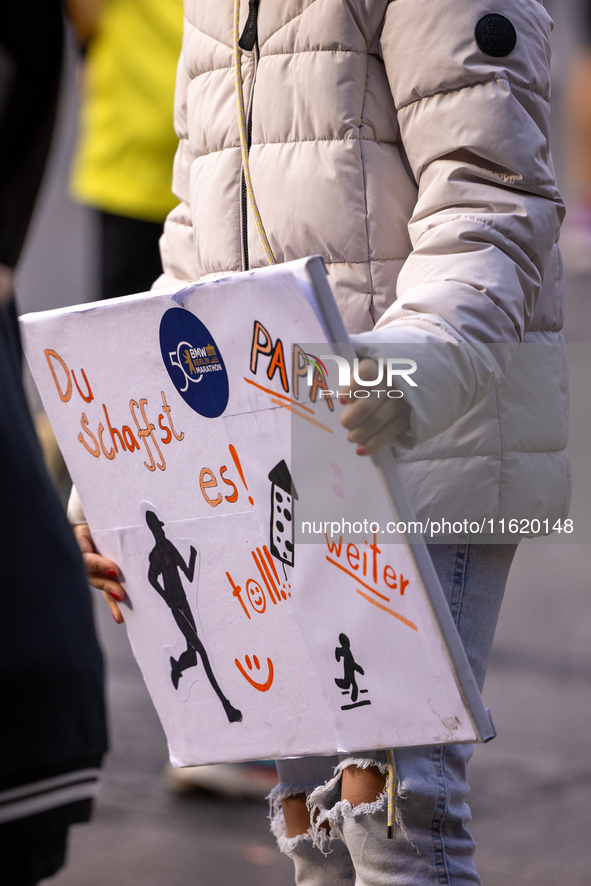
{"type": "Point", "coordinates": [246, 781]}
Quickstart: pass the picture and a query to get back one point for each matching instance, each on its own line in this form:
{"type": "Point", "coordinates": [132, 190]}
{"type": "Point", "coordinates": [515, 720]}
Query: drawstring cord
{"type": "Point", "coordinates": [392, 784]}
{"type": "Point", "coordinates": [243, 140]}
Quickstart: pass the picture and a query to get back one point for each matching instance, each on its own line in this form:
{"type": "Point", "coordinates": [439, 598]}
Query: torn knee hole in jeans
{"type": "Point", "coordinates": [363, 784]}
{"type": "Point", "coordinates": [327, 807]}
{"type": "Point", "coordinates": [278, 827]}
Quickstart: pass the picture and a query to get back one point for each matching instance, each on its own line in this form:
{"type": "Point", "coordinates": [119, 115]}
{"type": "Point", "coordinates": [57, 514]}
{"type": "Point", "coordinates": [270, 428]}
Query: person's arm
{"type": "Point", "coordinates": [476, 133]}
{"type": "Point", "coordinates": [101, 572]}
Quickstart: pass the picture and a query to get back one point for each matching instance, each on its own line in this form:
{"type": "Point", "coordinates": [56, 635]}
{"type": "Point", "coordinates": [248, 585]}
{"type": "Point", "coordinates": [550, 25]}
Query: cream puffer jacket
{"type": "Point", "coordinates": [418, 165]}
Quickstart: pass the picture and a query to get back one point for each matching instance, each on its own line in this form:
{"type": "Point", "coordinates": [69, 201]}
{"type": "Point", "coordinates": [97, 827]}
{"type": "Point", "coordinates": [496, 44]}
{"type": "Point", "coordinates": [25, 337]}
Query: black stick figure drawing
{"type": "Point", "coordinates": [166, 561]}
{"type": "Point", "coordinates": [348, 681]}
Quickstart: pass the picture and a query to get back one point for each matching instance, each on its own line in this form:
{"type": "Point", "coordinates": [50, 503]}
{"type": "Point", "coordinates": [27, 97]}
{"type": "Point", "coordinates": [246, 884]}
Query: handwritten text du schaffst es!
{"type": "Point", "coordinates": [109, 440]}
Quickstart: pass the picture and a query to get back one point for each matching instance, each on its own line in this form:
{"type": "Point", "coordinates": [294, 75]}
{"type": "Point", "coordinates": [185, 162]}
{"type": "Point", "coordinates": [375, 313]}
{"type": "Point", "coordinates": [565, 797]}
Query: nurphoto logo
{"type": "Point", "coordinates": [388, 369]}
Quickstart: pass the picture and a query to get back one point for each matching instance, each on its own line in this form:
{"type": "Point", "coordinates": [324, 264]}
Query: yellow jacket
{"type": "Point", "coordinates": [127, 143]}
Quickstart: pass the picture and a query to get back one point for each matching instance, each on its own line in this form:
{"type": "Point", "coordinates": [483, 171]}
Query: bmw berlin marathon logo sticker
{"type": "Point", "coordinates": [194, 362]}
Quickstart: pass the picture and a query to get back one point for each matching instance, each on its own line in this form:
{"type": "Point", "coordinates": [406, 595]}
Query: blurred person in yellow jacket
{"type": "Point", "coordinates": [123, 163]}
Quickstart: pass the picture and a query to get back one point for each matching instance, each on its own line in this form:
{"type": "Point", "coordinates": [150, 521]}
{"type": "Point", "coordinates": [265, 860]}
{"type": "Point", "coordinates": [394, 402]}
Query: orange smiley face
{"type": "Point", "coordinates": [256, 595]}
{"type": "Point", "coordinates": [262, 687]}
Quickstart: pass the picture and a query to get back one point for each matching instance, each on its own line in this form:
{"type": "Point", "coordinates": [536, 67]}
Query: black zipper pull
{"type": "Point", "coordinates": [249, 34]}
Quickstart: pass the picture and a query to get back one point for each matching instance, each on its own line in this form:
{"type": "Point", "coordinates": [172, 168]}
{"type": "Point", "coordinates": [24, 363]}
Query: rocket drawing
{"type": "Point", "coordinates": [283, 496]}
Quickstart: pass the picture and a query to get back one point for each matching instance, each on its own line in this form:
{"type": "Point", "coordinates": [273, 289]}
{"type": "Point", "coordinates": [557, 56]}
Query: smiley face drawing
{"type": "Point", "coordinates": [262, 687]}
{"type": "Point", "coordinates": [256, 597]}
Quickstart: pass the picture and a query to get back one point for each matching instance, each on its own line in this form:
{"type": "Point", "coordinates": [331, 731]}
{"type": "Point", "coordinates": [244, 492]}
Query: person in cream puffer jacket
{"type": "Point", "coordinates": [383, 137]}
{"type": "Point", "coordinates": [407, 142]}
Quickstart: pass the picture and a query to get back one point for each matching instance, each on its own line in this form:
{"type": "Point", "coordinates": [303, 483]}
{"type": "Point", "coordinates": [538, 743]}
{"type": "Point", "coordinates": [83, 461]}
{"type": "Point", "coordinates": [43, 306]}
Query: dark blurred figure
{"type": "Point", "coordinates": [52, 717]}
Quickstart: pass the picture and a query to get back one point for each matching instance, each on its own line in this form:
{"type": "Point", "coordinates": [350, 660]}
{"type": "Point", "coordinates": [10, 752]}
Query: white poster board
{"type": "Point", "coordinates": [174, 413]}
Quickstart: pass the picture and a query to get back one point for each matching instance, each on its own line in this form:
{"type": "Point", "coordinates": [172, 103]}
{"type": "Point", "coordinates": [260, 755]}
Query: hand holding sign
{"type": "Point", "coordinates": [101, 572]}
{"type": "Point", "coordinates": [375, 420]}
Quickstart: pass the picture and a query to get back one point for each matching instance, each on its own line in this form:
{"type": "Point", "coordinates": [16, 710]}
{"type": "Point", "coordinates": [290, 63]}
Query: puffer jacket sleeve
{"type": "Point", "coordinates": [176, 244]}
{"type": "Point", "coordinates": [476, 133]}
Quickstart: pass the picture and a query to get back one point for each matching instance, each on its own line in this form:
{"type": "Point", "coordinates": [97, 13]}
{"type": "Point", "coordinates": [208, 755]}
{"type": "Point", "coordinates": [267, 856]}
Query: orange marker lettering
{"type": "Point", "coordinates": [96, 451]}
{"type": "Point", "coordinates": [209, 484]}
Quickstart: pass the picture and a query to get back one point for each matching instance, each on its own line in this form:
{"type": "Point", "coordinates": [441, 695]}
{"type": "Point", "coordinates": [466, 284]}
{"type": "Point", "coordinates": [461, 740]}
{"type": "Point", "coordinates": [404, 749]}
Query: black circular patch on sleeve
{"type": "Point", "coordinates": [495, 35]}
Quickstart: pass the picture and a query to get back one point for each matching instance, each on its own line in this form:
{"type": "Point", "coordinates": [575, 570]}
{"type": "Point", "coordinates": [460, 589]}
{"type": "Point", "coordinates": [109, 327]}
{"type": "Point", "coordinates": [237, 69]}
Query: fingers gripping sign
{"type": "Point", "coordinates": [101, 572]}
{"type": "Point", "coordinates": [374, 418]}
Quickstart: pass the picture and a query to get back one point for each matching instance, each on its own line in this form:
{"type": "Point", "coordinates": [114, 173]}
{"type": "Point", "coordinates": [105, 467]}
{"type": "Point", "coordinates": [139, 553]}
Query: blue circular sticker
{"type": "Point", "coordinates": [194, 362]}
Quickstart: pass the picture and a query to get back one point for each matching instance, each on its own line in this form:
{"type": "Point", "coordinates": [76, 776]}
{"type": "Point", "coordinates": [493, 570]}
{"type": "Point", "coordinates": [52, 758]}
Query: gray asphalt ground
{"type": "Point", "coordinates": [530, 786]}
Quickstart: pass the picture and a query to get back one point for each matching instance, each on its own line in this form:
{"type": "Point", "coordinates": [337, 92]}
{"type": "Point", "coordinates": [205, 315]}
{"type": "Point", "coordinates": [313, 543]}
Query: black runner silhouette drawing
{"type": "Point", "coordinates": [166, 561]}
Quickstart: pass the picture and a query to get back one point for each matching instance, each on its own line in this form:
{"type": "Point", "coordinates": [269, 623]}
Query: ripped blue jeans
{"type": "Point", "coordinates": [432, 846]}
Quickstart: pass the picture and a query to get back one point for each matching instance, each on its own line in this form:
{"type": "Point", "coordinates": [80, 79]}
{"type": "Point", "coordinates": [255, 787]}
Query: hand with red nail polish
{"type": "Point", "coordinates": [374, 421]}
{"type": "Point", "coordinates": [101, 572]}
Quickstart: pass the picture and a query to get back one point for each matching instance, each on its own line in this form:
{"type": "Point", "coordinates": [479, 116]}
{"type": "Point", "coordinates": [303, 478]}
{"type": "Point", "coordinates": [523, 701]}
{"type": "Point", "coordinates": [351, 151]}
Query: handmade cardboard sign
{"type": "Point", "coordinates": [174, 413]}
